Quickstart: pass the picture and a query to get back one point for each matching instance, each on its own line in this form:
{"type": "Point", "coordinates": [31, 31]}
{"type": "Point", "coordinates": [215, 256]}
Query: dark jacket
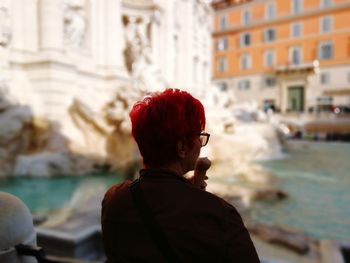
{"type": "Point", "coordinates": [199, 226]}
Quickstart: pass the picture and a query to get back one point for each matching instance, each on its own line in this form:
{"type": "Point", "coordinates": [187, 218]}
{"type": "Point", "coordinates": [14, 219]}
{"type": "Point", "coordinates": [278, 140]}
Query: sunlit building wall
{"type": "Point", "coordinates": [292, 54]}
{"type": "Point", "coordinates": [61, 51]}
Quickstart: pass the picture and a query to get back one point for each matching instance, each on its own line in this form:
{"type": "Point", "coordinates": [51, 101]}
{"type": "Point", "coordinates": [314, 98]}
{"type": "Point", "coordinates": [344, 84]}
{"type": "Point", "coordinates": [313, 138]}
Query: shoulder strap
{"type": "Point", "coordinates": [152, 226]}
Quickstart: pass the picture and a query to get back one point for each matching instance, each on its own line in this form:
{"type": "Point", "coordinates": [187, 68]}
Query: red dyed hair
{"type": "Point", "coordinates": [160, 120]}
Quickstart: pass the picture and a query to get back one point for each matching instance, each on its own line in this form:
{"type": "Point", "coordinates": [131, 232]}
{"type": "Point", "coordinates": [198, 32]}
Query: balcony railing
{"type": "Point", "coordinates": [308, 67]}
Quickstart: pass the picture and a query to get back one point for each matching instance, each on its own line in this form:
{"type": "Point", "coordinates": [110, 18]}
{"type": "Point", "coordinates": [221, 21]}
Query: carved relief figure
{"type": "Point", "coordinates": [138, 53]}
{"type": "Point", "coordinates": [75, 22]}
{"type": "Point", "coordinates": [133, 46]}
{"type": "Point", "coordinates": [5, 24]}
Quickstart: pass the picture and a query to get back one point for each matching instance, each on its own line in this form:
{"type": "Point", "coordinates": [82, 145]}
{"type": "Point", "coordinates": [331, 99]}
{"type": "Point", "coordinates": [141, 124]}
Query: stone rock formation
{"type": "Point", "coordinates": [286, 237]}
{"type": "Point", "coordinates": [107, 133]}
{"type": "Point", "coordinates": [15, 131]}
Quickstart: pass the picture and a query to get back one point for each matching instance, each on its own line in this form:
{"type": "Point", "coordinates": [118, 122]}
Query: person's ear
{"type": "Point", "coordinates": [181, 149]}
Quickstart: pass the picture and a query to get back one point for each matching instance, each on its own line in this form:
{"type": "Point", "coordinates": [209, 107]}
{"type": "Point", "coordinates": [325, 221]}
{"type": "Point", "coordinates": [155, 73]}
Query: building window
{"type": "Point", "coordinates": [326, 3]}
{"type": "Point", "coordinates": [270, 82]}
{"type": "Point", "coordinates": [270, 10]}
{"type": "Point", "coordinates": [296, 30]}
{"type": "Point", "coordinates": [176, 56]}
{"type": "Point", "coordinates": [269, 105]}
{"type": "Point", "coordinates": [244, 84]}
{"type": "Point", "coordinates": [325, 78]}
{"type": "Point", "coordinates": [323, 103]}
{"type": "Point", "coordinates": [245, 39]}
{"type": "Point", "coordinates": [326, 24]}
{"type": "Point", "coordinates": [222, 44]}
{"type": "Point", "coordinates": [195, 69]}
{"type": "Point", "coordinates": [205, 73]}
{"type": "Point", "coordinates": [295, 55]}
{"type": "Point", "coordinates": [270, 35]}
{"type": "Point", "coordinates": [269, 58]}
{"type": "Point", "coordinates": [297, 6]}
{"type": "Point", "coordinates": [246, 61]}
{"type": "Point", "coordinates": [325, 50]}
{"type": "Point", "coordinates": [223, 86]}
{"type": "Point", "coordinates": [223, 22]}
{"type": "Point", "coordinates": [222, 64]}
{"type": "Point", "coordinates": [246, 17]}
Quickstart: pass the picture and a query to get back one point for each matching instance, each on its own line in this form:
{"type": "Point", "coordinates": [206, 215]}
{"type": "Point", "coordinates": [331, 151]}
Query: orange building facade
{"type": "Point", "coordinates": [291, 55]}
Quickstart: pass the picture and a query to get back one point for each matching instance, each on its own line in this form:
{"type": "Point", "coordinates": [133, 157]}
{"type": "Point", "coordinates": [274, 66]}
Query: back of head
{"type": "Point", "coordinates": [160, 120]}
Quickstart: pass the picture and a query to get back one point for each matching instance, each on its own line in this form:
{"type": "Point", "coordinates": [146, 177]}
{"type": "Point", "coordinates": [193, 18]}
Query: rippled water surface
{"type": "Point", "coordinates": [317, 177]}
{"type": "Point", "coordinates": [315, 174]}
{"type": "Point", "coordinates": [45, 194]}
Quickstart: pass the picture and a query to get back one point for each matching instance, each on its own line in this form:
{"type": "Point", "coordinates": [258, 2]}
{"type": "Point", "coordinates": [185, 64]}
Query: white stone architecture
{"type": "Point", "coordinates": [65, 49]}
{"type": "Point", "coordinates": [80, 64]}
{"type": "Point", "coordinates": [168, 42]}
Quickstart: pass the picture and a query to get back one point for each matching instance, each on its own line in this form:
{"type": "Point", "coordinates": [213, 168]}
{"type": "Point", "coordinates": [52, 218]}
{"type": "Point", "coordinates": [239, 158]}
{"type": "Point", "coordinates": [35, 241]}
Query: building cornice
{"type": "Point", "coordinates": [281, 19]}
{"type": "Point", "coordinates": [140, 4]}
{"type": "Point", "coordinates": [344, 91]}
{"type": "Point", "coordinates": [56, 62]}
{"type": "Point", "coordinates": [229, 4]}
{"type": "Point", "coordinates": [207, 6]}
{"type": "Point", "coordinates": [280, 68]}
{"type": "Point", "coordinates": [308, 68]}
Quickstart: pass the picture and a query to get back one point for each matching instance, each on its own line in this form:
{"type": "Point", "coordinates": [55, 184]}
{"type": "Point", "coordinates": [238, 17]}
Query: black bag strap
{"type": "Point", "coordinates": [152, 226]}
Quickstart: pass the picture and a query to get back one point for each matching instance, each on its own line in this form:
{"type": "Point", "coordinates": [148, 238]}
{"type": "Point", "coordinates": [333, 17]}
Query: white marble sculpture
{"type": "Point", "coordinates": [5, 23]}
{"type": "Point", "coordinates": [75, 22]}
{"type": "Point", "coordinates": [145, 73]}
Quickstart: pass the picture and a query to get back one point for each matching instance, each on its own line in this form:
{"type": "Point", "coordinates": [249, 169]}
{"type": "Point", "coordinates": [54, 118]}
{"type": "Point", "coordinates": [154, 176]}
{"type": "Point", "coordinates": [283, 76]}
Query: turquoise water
{"type": "Point", "coordinates": [317, 177]}
{"type": "Point", "coordinates": [46, 194]}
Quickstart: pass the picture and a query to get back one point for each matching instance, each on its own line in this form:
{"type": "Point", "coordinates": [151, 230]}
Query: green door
{"type": "Point", "coordinates": [296, 98]}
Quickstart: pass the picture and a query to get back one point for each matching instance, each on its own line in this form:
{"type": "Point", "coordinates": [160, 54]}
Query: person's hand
{"type": "Point", "coordinates": [200, 170]}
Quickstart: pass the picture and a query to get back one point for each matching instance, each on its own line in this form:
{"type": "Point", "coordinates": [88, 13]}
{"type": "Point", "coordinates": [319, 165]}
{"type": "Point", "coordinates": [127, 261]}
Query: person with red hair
{"type": "Point", "coordinates": [163, 216]}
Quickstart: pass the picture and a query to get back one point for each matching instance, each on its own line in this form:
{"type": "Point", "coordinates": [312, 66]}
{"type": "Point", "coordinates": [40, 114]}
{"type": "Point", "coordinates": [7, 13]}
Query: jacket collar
{"type": "Point", "coordinates": [160, 174]}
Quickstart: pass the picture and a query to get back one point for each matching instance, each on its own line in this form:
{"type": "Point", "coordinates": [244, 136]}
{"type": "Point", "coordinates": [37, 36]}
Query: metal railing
{"type": "Point", "coordinates": [41, 257]}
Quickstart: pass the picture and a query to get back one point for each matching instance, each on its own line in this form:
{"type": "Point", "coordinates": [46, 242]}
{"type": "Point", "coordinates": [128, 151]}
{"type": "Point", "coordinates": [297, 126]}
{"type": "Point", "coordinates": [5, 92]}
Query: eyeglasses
{"type": "Point", "coordinates": [204, 138]}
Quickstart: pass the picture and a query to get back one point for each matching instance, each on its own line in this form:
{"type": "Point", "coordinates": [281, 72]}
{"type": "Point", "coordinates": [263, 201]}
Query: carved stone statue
{"type": "Point", "coordinates": [5, 24]}
{"type": "Point", "coordinates": [75, 22]}
{"type": "Point", "coordinates": [138, 54]}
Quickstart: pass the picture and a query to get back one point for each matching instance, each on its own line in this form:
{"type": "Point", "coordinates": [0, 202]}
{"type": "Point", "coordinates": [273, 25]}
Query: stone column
{"type": "Point", "coordinates": [168, 51]}
{"type": "Point", "coordinates": [51, 25]}
{"type": "Point", "coordinates": [114, 42]}
{"type": "Point", "coordinates": [284, 99]}
{"type": "Point", "coordinates": [156, 36]}
{"type": "Point", "coordinates": [188, 48]}
{"type": "Point", "coordinates": [24, 16]}
{"type": "Point", "coordinates": [107, 47]}
{"type": "Point", "coordinates": [207, 51]}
